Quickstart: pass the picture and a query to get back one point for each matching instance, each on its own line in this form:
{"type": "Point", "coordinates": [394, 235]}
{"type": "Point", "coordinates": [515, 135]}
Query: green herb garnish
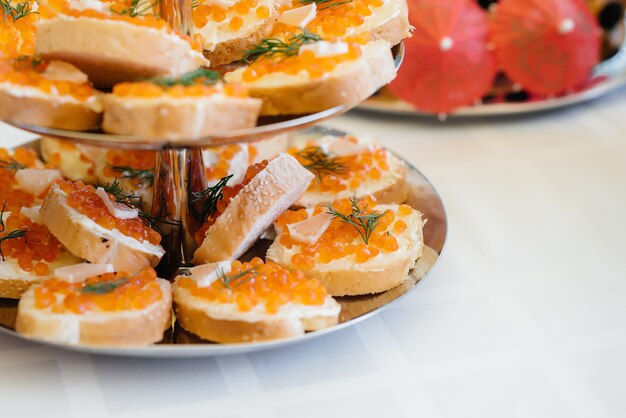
{"type": "Point", "coordinates": [231, 281]}
{"type": "Point", "coordinates": [11, 165]}
{"type": "Point", "coordinates": [364, 224]}
{"type": "Point", "coordinates": [18, 233]}
{"type": "Point", "coordinates": [321, 163]}
{"type": "Point", "coordinates": [17, 12]}
{"type": "Point", "coordinates": [134, 201]}
{"type": "Point", "coordinates": [329, 3]}
{"type": "Point", "coordinates": [272, 47]}
{"type": "Point", "coordinates": [137, 8]}
{"type": "Point", "coordinates": [144, 177]}
{"type": "Point", "coordinates": [102, 288]}
{"type": "Point", "coordinates": [209, 198]}
{"type": "Point", "coordinates": [199, 76]}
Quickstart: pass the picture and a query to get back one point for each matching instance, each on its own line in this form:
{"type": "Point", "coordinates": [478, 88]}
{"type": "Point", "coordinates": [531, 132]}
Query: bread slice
{"type": "Point", "coordinates": [14, 280]}
{"type": "Point", "coordinates": [377, 172]}
{"type": "Point", "coordinates": [30, 104]}
{"type": "Point", "coordinates": [350, 82]}
{"type": "Point", "coordinates": [127, 327]}
{"type": "Point", "coordinates": [86, 239]}
{"type": "Point", "coordinates": [266, 149]}
{"type": "Point", "coordinates": [74, 161]}
{"type": "Point", "coordinates": [222, 44]}
{"type": "Point", "coordinates": [252, 211]}
{"type": "Point", "coordinates": [384, 20]}
{"type": "Point", "coordinates": [349, 274]}
{"type": "Point", "coordinates": [112, 51]}
{"type": "Point", "coordinates": [171, 118]}
{"type": "Point", "coordinates": [199, 311]}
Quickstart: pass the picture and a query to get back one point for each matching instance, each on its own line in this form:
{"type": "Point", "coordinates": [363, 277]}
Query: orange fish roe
{"type": "Point", "coordinates": [264, 283]}
{"type": "Point", "coordinates": [146, 89]}
{"type": "Point", "coordinates": [83, 199]}
{"type": "Point", "coordinates": [141, 161]}
{"type": "Point", "coordinates": [10, 192]}
{"type": "Point", "coordinates": [224, 154]}
{"type": "Point", "coordinates": [334, 19]}
{"type": "Point", "coordinates": [351, 171]}
{"type": "Point", "coordinates": [119, 12]}
{"type": "Point", "coordinates": [34, 250]}
{"type": "Point", "coordinates": [306, 62]}
{"type": "Point", "coordinates": [340, 239]}
{"type": "Point", "coordinates": [17, 37]}
{"type": "Point", "coordinates": [30, 73]}
{"type": "Point", "coordinates": [106, 293]}
{"type": "Point", "coordinates": [203, 13]}
{"type": "Point", "coordinates": [228, 193]}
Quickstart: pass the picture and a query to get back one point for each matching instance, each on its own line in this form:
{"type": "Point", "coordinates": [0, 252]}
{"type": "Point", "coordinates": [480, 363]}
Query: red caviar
{"type": "Point", "coordinates": [355, 169]}
{"type": "Point", "coordinates": [265, 283]}
{"type": "Point", "coordinates": [10, 193]}
{"type": "Point", "coordinates": [204, 13]}
{"type": "Point", "coordinates": [132, 159]}
{"type": "Point", "coordinates": [30, 73]}
{"type": "Point", "coordinates": [34, 251]}
{"type": "Point", "coordinates": [228, 193]}
{"type": "Point", "coordinates": [306, 61]}
{"type": "Point", "coordinates": [17, 37]}
{"type": "Point", "coordinates": [83, 199]}
{"type": "Point", "coordinates": [225, 154]}
{"type": "Point", "coordinates": [341, 239]}
{"type": "Point", "coordinates": [337, 17]}
{"type": "Point", "coordinates": [146, 89]}
{"type": "Point", "coordinates": [105, 293]}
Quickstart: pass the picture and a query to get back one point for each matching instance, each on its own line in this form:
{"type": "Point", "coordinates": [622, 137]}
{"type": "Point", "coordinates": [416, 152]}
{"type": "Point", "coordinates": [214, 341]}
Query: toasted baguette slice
{"type": "Point", "coordinates": [366, 169]}
{"type": "Point", "coordinates": [31, 105]}
{"type": "Point", "coordinates": [86, 239]}
{"type": "Point", "coordinates": [171, 118]}
{"type": "Point", "coordinates": [125, 327]}
{"type": "Point", "coordinates": [350, 82]}
{"type": "Point", "coordinates": [352, 273]}
{"type": "Point", "coordinates": [14, 280]}
{"type": "Point", "coordinates": [223, 45]}
{"type": "Point", "coordinates": [74, 161]}
{"type": "Point", "coordinates": [112, 51]}
{"type": "Point", "coordinates": [270, 192]}
{"type": "Point", "coordinates": [200, 312]}
{"type": "Point", "coordinates": [266, 149]}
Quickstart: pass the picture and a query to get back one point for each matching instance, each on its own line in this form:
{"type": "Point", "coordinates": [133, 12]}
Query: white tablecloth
{"type": "Point", "coordinates": [525, 316]}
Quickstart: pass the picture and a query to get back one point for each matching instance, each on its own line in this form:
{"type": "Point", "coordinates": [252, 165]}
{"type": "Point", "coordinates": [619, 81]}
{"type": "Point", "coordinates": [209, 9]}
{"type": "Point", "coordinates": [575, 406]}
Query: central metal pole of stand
{"type": "Point", "coordinates": [178, 173]}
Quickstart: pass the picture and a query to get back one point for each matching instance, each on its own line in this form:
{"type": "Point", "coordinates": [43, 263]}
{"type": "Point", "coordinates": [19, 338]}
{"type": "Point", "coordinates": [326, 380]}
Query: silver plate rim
{"type": "Point", "coordinates": [212, 350]}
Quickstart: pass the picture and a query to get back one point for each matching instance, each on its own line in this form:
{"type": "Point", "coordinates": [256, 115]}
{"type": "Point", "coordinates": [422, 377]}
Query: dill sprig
{"type": "Point", "coordinates": [18, 233]}
{"type": "Point", "coordinates": [320, 163]}
{"type": "Point", "coordinates": [195, 3]}
{"type": "Point", "coordinates": [271, 47]}
{"type": "Point", "coordinates": [209, 198]}
{"type": "Point", "coordinates": [137, 8]}
{"type": "Point", "coordinates": [199, 76]}
{"type": "Point", "coordinates": [145, 177]}
{"type": "Point", "coordinates": [231, 281]}
{"type": "Point", "coordinates": [11, 165]}
{"type": "Point", "coordinates": [131, 200]}
{"type": "Point", "coordinates": [17, 12]}
{"type": "Point", "coordinates": [329, 3]}
{"type": "Point", "coordinates": [102, 288]}
{"type": "Point", "coordinates": [365, 224]}
{"type": "Point", "coordinates": [134, 201]}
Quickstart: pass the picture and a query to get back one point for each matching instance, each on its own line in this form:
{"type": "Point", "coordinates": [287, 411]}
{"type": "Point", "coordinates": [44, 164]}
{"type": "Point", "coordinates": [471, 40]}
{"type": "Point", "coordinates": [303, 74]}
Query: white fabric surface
{"type": "Point", "coordinates": [525, 316]}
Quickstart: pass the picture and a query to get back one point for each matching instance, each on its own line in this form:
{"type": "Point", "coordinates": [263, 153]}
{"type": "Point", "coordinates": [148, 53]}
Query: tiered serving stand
{"type": "Point", "coordinates": [180, 172]}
